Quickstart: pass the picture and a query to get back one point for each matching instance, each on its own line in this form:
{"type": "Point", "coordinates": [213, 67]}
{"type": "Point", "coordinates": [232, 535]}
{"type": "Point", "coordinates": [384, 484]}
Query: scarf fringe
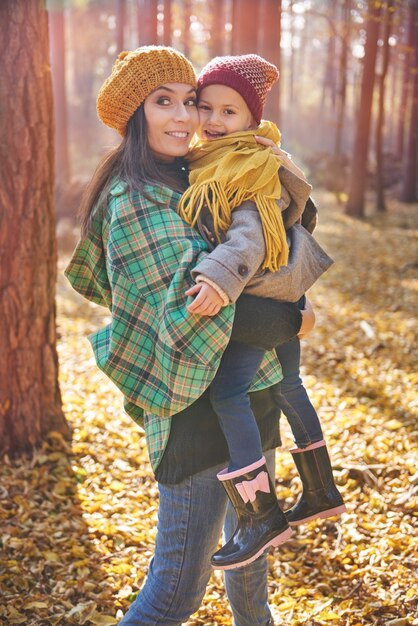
{"type": "Point", "coordinates": [225, 189]}
{"type": "Point", "coordinates": [221, 204]}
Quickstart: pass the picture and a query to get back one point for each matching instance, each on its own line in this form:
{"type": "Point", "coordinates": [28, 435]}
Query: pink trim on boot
{"type": "Point", "coordinates": [312, 446]}
{"type": "Point", "coordinates": [225, 475]}
{"type": "Point", "coordinates": [338, 510]}
{"type": "Point", "coordinates": [248, 488]}
{"type": "Point", "coordinates": [274, 543]}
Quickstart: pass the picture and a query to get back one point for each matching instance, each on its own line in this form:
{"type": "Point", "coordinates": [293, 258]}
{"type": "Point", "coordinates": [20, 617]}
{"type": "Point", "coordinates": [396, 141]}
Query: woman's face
{"type": "Point", "coordinates": [172, 119]}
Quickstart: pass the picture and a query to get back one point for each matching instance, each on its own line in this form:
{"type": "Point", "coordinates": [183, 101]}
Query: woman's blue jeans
{"type": "Point", "coordinates": [190, 521]}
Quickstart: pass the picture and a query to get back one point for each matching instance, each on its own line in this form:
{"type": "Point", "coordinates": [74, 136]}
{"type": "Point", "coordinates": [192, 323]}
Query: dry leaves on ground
{"type": "Point", "coordinates": [78, 524]}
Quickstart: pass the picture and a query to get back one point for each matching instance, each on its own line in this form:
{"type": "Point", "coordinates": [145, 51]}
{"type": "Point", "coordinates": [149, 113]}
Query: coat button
{"type": "Point", "coordinates": [242, 270]}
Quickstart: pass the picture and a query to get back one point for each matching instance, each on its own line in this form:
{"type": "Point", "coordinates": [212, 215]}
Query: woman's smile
{"type": "Point", "coordinates": [178, 133]}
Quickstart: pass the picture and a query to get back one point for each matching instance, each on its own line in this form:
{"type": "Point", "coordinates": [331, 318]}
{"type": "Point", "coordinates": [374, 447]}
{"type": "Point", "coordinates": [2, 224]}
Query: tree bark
{"type": "Point", "coordinates": [357, 187]}
{"type": "Point", "coordinates": [380, 125]}
{"type": "Point", "coordinates": [57, 38]}
{"type": "Point", "coordinates": [409, 186]}
{"type": "Point", "coordinates": [244, 26]}
{"type": "Point", "coordinates": [270, 27]}
{"type": "Point", "coordinates": [30, 401]}
{"type": "Point", "coordinates": [290, 87]}
{"type": "Point", "coordinates": [217, 28]}
{"type": "Point", "coordinates": [342, 78]}
{"type": "Point", "coordinates": [120, 24]}
{"type": "Point", "coordinates": [187, 8]}
{"type": "Point", "coordinates": [147, 22]}
{"type": "Point", "coordinates": [329, 84]}
{"type": "Point", "coordinates": [167, 23]}
{"type": "Point", "coordinates": [406, 82]}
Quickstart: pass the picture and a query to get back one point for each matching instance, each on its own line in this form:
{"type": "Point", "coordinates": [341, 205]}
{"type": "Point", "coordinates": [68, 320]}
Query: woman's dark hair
{"type": "Point", "coordinates": [133, 163]}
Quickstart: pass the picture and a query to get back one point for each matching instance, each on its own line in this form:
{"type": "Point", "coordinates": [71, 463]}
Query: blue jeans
{"type": "Point", "coordinates": [230, 401]}
{"type": "Point", "coordinates": [229, 398]}
{"type": "Point", "coordinates": [292, 398]}
{"type": "Point", "coordinates": [190, 521]}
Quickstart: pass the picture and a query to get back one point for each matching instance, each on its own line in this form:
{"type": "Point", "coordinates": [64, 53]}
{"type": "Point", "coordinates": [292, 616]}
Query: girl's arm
{"type": "Point", "coordinates": [208, 300]}
{"type": "Point", "coordinates": [231, 265]}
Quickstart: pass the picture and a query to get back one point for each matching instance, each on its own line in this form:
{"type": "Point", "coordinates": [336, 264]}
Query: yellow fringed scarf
{"type": "Point", "coordinates": [226, 172]}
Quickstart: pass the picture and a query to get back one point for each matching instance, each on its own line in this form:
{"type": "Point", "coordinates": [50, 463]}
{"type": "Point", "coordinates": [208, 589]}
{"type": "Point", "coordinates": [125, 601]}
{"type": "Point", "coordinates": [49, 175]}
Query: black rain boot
{"type": "Point", "coordinates": [261, 522]}
{"type": "Point", "coordinates": [320, 496]}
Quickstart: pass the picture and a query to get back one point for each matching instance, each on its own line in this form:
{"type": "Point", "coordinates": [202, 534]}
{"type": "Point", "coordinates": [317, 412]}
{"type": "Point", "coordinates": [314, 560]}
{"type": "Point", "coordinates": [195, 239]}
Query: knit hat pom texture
{"type": "Point", "coordinates": [136, 74]}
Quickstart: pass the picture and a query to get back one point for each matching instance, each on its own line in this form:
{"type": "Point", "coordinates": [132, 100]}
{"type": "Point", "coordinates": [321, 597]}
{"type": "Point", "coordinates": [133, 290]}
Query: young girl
{"type": "Point", "coordinates": [241, 200]}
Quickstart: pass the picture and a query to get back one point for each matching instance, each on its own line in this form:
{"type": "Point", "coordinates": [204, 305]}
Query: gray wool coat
{"type": "Point", "coordinates": [234, 264]}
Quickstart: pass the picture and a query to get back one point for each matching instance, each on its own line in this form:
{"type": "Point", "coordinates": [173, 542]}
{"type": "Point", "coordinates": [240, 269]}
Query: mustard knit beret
{"type": "Point", "coordinates": [134, 76]}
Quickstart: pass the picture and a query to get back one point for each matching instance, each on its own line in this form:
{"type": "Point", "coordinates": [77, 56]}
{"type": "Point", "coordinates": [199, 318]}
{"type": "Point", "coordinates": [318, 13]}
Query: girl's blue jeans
{"type": "Point", "coordinates": [292, 398]}
{"type": "Point", "coordinates": [190, 521]}
{"type": "Point", "coordinates": [230, 401]}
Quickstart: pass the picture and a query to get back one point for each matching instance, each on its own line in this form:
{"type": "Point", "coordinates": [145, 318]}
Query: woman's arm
{"type": "Point", "coordinates": [284, 156]}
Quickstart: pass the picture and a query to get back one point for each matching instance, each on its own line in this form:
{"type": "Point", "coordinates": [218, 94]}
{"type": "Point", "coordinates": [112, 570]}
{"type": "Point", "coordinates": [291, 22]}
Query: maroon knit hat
{"type": "Point", "coordinates": [249, 74]}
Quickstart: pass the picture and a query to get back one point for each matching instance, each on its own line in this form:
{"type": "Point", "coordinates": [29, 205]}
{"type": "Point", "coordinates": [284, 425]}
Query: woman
{"type": "Point", "coordinates": [135, 257]}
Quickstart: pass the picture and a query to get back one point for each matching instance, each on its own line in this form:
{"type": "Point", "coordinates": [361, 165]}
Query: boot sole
{"type": "Point", "coordinates": [274, 543]}
{"type": "Point", "coordinates": [338, 510]}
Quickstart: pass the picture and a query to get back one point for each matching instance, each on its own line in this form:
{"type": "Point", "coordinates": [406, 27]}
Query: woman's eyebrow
{"type": "Point", "coordinates": [164, 88]}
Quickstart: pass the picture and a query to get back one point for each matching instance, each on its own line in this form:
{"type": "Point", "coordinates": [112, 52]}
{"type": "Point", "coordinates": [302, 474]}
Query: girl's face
{"type": "Point", "coordinates": [172, 120]}
{"type": "Point", "coordinates": [222, 111]}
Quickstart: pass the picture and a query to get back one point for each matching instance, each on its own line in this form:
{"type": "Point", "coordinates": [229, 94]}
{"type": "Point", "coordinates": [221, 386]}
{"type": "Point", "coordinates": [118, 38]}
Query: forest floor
{"type": "Point", "coordinates": [78, 522]}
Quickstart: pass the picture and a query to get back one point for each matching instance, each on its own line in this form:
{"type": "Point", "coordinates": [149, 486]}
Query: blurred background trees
{"type": "Point", "coordinates": [346, 101]}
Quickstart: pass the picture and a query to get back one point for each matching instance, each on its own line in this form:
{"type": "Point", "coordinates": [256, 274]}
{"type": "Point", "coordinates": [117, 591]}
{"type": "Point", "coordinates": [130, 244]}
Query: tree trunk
{"type": "Point", "coordinates": [406, 82]}
{"type": "Point", "coordinates": [147, 22]}
{"type": "Point", "coordinates": [217, 28]}
{"type": "Point", "coordinates": [290, 87]}
{"type": "Point", "coordinates": [187, 8]}
{"type": "Point", "coordinates": [329, 89]}
{"type": "Point", "coordinates": [380, 125]}
{"type": "Point", "coordinates": [120, 25]}
{"type": "Point", "coordinates": [30, 401]}
{"type": "Point", "coordinates": [57, 37]}
{"type": "Point", "coordinates": [84, 125]}
{"type": "Point", "coordinates": [409, 186]}
{"type": "Point", "coordinates": [270, 27]}
{"type": "Point", "coordinates": [167, 23]}
{"type": "Point", "coordinates": [357, 187]}
{"type": "Point", "coordinates": [244, 26]}
{"type": "Point", "coordinates": [342, 78]}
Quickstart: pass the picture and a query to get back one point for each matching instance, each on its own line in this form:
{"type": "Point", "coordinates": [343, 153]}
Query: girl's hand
{"type": "Point", "coordinates": [308, 320]}
{"type": "Point", "coordinates": [207, 301]}
{"type": "Point", "coordinates": [284, 156]}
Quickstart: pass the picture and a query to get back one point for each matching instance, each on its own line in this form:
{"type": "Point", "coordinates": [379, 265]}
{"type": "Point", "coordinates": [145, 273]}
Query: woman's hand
{"type": "Point", "coordinates": [308, 320]}
{"type": "Point", "coordinates": [207, 301]}
{"type": "Point", "coordinates": [284, 156]}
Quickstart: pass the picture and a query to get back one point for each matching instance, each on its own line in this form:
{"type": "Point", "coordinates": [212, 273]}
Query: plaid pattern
{"type": "Point", "coordinates": [137, 262]}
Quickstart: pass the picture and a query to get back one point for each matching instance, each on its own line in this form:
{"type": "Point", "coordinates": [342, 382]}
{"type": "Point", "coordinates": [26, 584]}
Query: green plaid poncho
{"type": "Point", "coordinates": [137, 262]}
